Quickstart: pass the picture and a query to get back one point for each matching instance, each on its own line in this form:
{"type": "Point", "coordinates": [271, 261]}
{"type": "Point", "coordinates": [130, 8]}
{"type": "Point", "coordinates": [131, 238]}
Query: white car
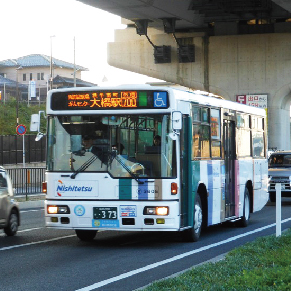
{"type": "Point", "coordinates": [9, 211]}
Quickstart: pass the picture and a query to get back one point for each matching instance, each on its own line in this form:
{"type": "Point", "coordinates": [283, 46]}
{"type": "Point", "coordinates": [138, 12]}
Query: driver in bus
{"type": "Point", "coordinates": [88, 143]}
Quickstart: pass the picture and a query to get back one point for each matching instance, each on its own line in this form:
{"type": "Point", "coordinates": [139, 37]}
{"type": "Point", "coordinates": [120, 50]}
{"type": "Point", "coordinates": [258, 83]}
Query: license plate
{"type": "Point", "coordinates": [105, 212]}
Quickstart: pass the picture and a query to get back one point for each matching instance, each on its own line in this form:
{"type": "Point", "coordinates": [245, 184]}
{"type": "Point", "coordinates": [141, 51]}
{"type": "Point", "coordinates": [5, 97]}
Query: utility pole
{"type": "Point", "coordinates": [51, 64]}
{"type": "Point", "coordinates": [75, 85]}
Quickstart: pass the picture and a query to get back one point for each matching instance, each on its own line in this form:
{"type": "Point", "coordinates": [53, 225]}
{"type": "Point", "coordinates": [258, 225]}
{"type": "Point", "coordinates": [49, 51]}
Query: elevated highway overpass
{"type": "Point", "coordinates": [226, 47]}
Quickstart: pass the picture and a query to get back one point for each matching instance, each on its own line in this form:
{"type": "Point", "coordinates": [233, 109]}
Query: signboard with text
{"type": "Point", "coordinates": [114, 100]}
{"type": "Point", "coordinates": [255, 100]}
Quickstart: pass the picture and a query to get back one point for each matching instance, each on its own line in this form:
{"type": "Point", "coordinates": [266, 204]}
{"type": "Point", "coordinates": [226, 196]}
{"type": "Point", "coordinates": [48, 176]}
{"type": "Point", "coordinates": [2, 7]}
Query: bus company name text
{"type": "Point", "coordinates": [63, 188]}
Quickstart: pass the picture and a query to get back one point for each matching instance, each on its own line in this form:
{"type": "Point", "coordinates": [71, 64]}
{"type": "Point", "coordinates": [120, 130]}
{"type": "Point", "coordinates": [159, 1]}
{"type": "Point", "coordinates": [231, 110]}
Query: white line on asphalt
{"type": "Point", "coordinates": [24, 230]}
{"type": "Point", "coordinates": [35, 243]}
{"type": "Point", "coordinates": [175, 258]}
{"type": "Point", "coordinates": [30, 229]}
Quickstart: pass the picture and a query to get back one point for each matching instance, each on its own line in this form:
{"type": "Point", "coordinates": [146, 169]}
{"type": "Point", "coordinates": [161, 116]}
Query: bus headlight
{"type": "Point", "coordinates": [156, 210]}
{"type": "Point", "coordinates": [58, 209]}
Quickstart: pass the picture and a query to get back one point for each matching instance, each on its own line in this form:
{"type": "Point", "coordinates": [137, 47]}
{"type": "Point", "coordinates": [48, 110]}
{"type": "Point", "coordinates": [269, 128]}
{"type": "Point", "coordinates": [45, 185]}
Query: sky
{"type": "Point", "coordinates": [34, 26]}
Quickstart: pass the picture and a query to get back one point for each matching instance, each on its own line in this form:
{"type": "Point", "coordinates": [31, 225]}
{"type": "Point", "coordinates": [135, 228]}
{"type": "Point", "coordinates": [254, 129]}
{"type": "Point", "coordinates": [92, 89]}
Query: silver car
{"type": "Point", "coordinates": [280, 172]}
{"type": "Point", "coordinates": [9, 211]}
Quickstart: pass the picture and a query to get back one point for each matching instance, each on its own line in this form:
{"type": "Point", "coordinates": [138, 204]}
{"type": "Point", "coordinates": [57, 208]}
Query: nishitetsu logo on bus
{"type": "Point", "coordinates": [65, 188]}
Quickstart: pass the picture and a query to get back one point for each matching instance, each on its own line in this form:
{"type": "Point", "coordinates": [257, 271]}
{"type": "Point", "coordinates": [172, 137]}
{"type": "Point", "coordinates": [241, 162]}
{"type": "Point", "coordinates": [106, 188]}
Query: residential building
{"type": "Point", "coordinates": [33, 71]}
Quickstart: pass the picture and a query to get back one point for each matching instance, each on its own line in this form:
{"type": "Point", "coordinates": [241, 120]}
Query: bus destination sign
{"type": "Point", "coordinates": [102, 100]}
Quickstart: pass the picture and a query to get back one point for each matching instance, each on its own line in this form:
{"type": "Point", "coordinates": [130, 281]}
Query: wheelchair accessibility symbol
{"type": "Point", "coordinates": [160, 99]}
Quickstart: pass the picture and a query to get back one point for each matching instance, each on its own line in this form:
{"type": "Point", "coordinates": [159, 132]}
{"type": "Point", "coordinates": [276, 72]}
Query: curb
{"type": "Point", "coordinates": [31, 197]}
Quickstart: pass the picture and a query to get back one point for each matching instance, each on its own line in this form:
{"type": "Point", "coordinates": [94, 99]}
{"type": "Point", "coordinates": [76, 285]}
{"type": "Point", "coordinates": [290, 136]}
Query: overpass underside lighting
{"type": "Point", "coordinates": [162, 54]}
{"type": "Point", "coordinates": [186, 53]}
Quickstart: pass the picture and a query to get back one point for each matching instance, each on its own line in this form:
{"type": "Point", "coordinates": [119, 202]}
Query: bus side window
{"type": "Point", "coordinates": [196, 146]}
{"type": "Point", "coordinates": [215, 133]}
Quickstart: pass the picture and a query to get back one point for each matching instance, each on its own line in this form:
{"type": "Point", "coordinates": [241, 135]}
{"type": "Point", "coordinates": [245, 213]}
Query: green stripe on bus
{"type": "Point", "coordinates": [125, 189]}
{"type": "Point", "coordinates": [196, 175]}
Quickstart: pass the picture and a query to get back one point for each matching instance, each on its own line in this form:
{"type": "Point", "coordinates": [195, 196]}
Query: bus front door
{"type": "Point", "coordinates": [229, 158]}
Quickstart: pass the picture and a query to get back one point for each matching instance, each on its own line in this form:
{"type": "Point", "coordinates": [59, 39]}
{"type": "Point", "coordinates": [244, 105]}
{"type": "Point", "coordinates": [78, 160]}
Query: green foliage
{"type": "Point", "coordinates": [264, 264]}
{"type": "Point", "coordinates": [8, 116]}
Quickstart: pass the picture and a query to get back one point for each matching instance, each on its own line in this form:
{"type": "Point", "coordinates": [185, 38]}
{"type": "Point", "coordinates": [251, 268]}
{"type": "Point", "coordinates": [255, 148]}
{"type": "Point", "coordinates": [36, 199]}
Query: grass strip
{"type": "Point", "coordinates": [264, 264]}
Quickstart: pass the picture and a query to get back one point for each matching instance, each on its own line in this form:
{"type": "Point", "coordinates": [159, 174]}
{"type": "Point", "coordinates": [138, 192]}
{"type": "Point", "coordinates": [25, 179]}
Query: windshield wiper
{"type": "Point", "coordinates": [84, 166]}
{"type": "Point", "coordinates": [127, 169]}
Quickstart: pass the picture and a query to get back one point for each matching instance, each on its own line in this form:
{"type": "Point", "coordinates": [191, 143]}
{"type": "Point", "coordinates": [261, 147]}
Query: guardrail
{"type": "Point", "coordinates": [27, 180]}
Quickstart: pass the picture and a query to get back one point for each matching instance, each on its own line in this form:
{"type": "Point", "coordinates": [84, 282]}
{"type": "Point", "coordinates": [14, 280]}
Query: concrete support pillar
{"type": "Point", "coordinates": [279, 128]}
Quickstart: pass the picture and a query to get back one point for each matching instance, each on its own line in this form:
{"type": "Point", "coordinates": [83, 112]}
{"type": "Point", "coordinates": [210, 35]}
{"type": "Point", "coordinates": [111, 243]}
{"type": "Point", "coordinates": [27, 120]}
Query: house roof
{"type": "Point", "coordinates": [10, 83]}
{"type": "Point", "coordinates": [38, 60]}
{"type": "Point", "coordinates": [70, 82]}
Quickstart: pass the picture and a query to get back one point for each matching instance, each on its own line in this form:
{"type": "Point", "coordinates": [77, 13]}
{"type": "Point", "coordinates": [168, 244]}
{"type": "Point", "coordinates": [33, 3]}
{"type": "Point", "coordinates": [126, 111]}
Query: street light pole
{"type": "Point", "coordinates": [51, 63]}
{"type": "Point", "coordinates": [17, 120]}
{"type": "Point", "coordinates": [17, 97]}
{"type": "Point", "coordinates": [74, 63]}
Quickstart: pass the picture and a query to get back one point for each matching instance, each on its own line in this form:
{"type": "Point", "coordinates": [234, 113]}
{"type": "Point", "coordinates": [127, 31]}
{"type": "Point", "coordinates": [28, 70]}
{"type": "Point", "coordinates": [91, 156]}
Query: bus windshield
{"type": "Point", "coordinates": [133, 146]}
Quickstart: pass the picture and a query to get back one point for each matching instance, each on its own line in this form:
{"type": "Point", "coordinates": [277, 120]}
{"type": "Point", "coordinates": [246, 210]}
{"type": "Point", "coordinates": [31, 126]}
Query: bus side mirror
{"type": "Point", "coordinates": [34, 122]}
{"type": "Point", "coordinates": [177, 120]}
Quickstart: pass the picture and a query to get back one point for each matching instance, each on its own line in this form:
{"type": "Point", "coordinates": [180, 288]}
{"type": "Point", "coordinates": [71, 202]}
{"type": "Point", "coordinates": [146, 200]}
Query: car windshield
{"type": "Point", "coordinates": [280, 160]}
{"type": "Point", "coordinates": [132, 146]}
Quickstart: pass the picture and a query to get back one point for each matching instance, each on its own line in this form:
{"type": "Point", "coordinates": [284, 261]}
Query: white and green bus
{"type": "Point", "coordinates": [208, 166]}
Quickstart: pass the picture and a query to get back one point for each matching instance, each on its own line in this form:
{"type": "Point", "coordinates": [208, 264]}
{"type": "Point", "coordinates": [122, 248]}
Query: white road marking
{"type": "Point", "coordinates": [29, 229]}
{"type": "Point", "coordinates": [24, 230]}
{"type": "Point", "coordinates": [175, 258]}
{"type": "Point", "coordinates": [35, 243]}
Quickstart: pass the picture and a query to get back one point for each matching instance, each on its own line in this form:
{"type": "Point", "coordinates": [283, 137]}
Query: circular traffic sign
{"type": "Point", "coordinates": [21, 129]}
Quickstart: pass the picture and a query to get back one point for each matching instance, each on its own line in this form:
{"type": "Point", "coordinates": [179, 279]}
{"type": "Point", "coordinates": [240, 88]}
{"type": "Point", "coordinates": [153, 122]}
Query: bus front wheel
{"type": "Point", "coordinates": [192, 234]}
{"type": "Point", "coordinates": [85, 235]}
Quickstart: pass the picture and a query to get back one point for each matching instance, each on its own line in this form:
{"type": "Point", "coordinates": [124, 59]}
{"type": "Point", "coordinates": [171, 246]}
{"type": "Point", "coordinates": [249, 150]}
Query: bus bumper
{"type": "Point", "coordinates": [102, 215]}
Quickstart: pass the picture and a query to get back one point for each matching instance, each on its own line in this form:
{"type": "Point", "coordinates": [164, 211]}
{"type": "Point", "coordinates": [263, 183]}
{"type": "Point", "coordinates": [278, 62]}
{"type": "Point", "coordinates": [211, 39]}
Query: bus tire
{"type": "Point", "coordinates": [244, 221]}
{"type": "Point", "coordinates": [193, 234]}
{"type": "Point", "coordinates": [85, 235]}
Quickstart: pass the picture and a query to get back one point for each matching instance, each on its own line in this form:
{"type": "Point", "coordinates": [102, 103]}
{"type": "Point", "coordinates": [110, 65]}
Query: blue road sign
{"type": "Point", "coordinates": [21, 129]}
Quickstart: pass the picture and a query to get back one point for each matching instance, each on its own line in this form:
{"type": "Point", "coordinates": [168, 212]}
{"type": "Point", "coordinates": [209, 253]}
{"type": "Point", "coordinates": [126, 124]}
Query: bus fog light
{"type": "Point", "coordinates": [160, 220]}
{"type": "Point", "coordinates": [54, 219]}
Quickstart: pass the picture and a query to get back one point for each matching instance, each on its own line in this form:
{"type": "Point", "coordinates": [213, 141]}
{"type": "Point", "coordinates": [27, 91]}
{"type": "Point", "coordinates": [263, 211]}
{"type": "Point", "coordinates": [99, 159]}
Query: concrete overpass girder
{"type": "Point", "coordinates": [224, 65]}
